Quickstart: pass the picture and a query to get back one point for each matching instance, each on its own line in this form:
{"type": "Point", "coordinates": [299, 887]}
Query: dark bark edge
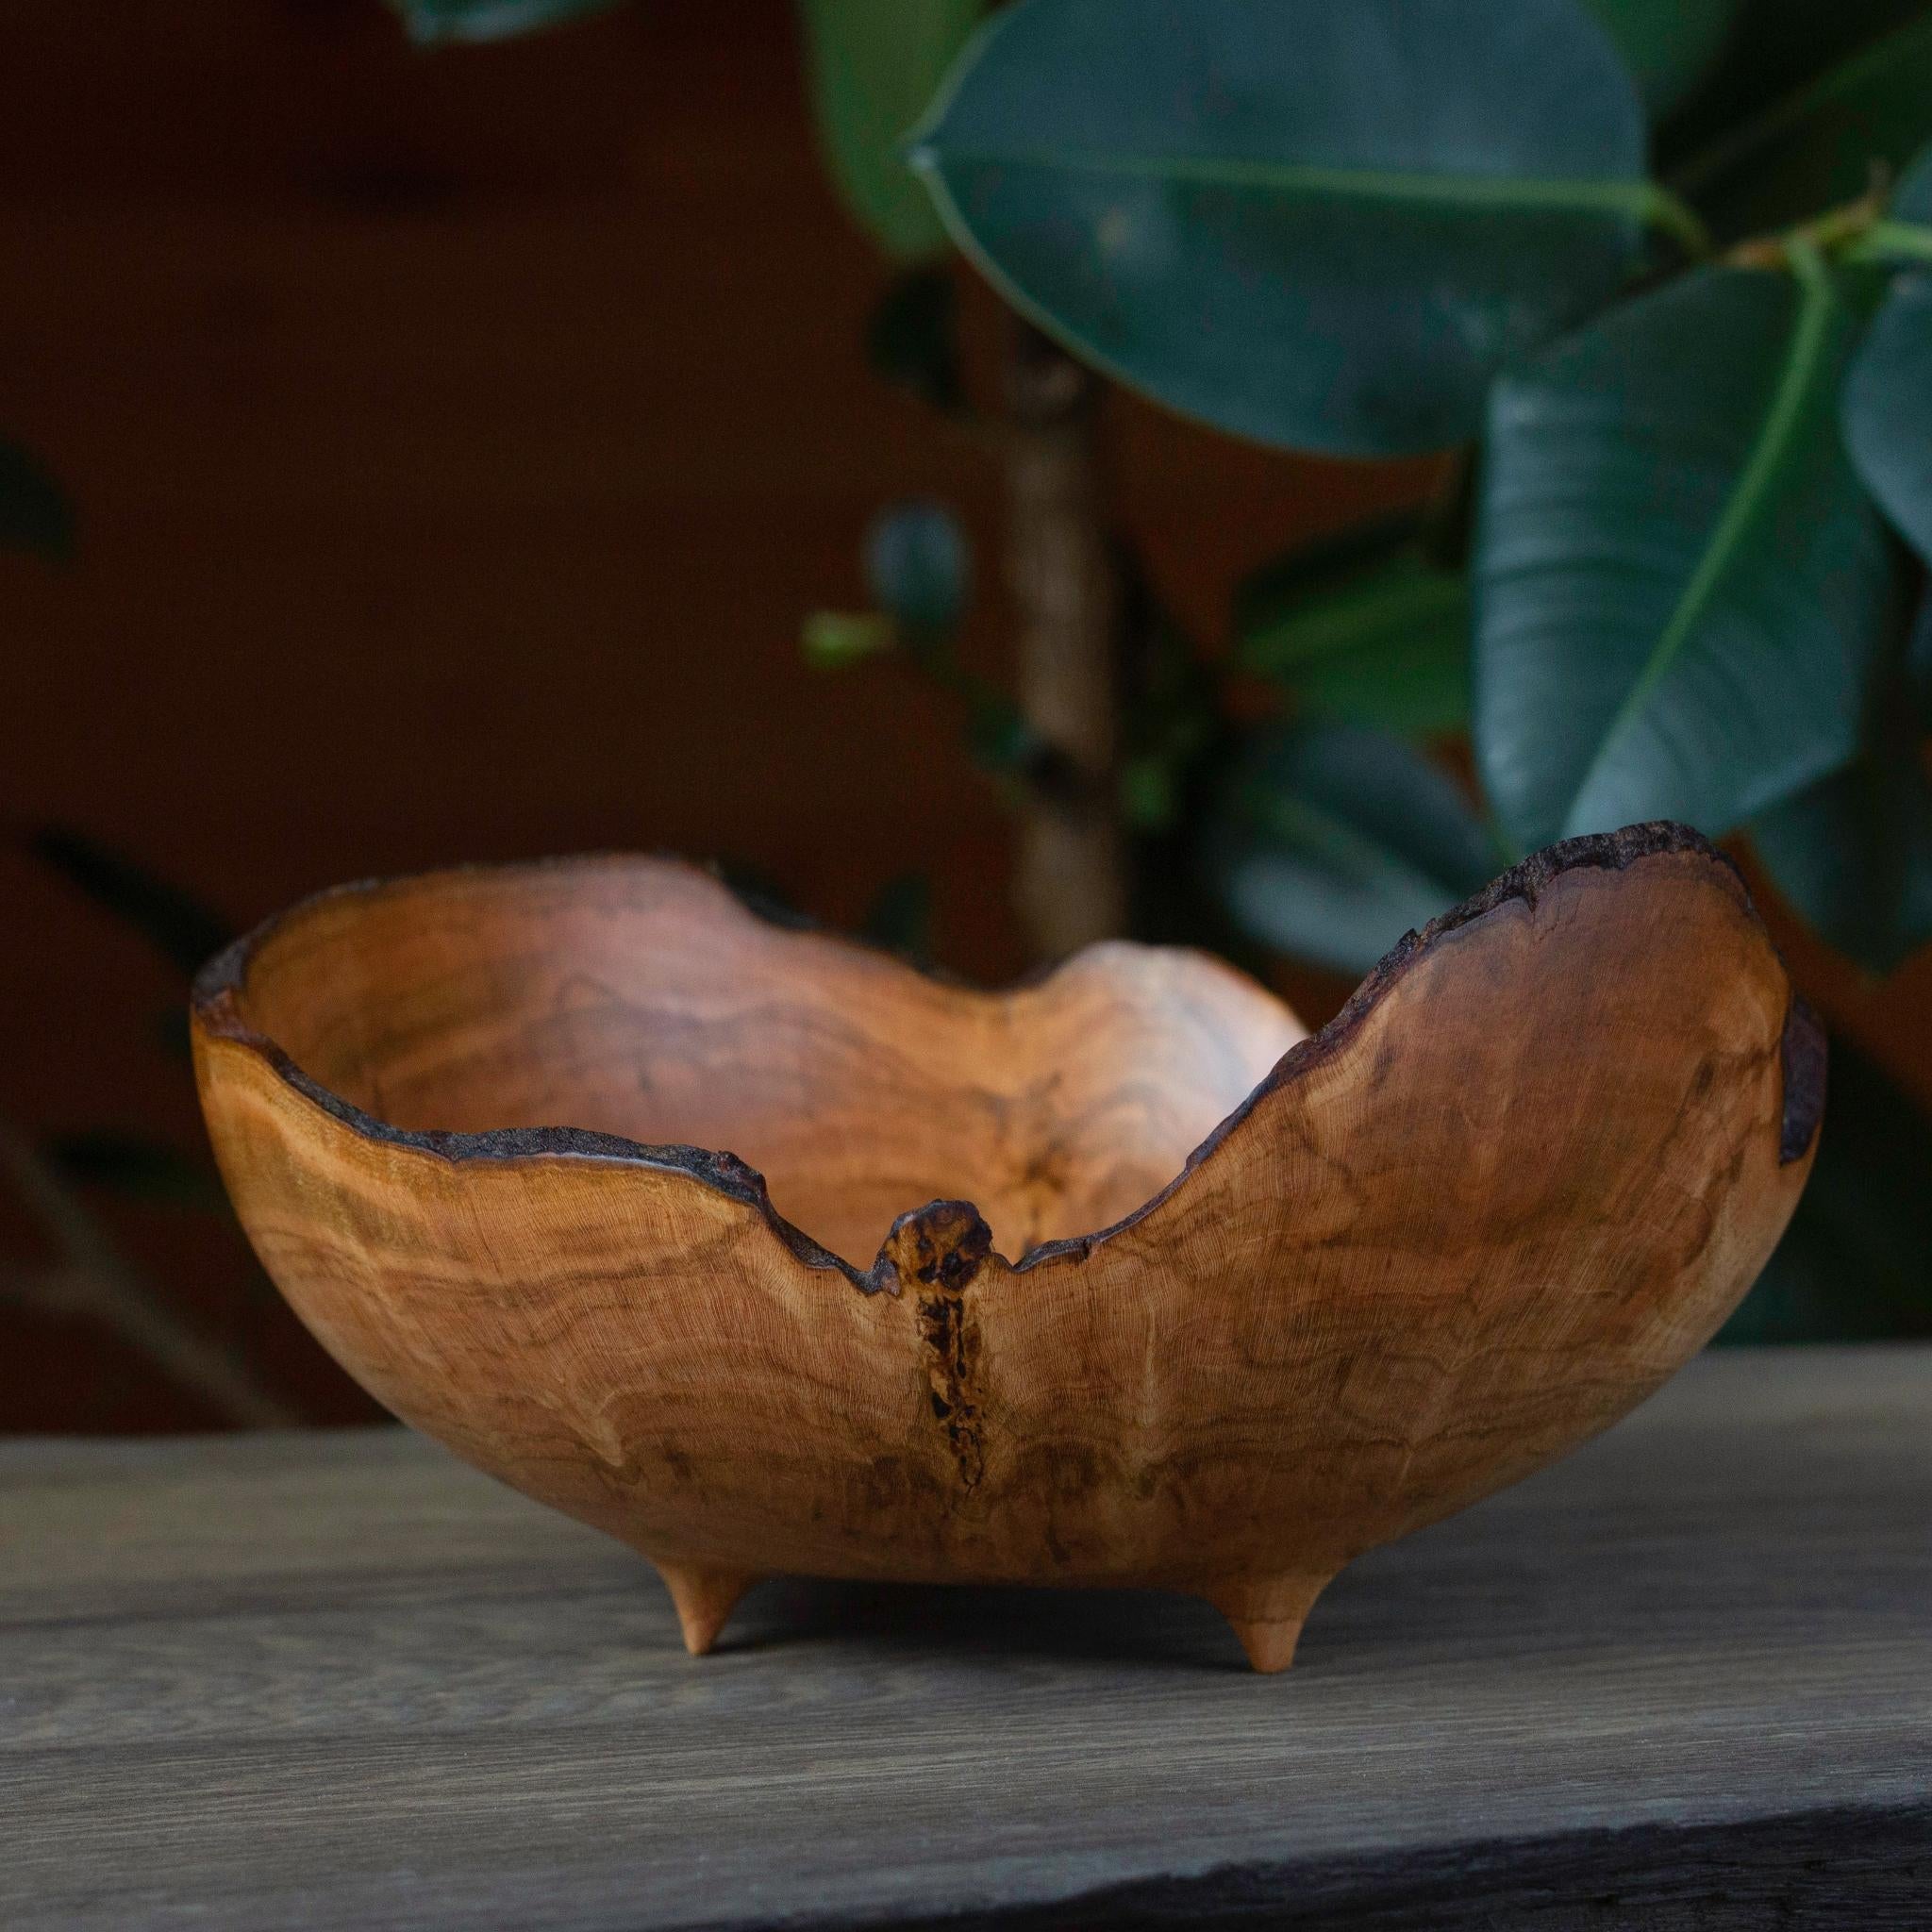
{"type": "Point", "coordinates": [215, 1003]}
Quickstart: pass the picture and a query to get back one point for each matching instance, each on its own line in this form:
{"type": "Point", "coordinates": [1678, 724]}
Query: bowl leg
{"type": "Point", "coordinates": [703, 1598]}
{"type": "Point", "coordinates": [1268, 1614]}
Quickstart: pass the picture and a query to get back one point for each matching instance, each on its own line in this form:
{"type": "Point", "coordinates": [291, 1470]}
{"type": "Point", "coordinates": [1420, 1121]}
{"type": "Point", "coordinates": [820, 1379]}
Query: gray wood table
{"type": "Point", "coordinates": [337, 1680]}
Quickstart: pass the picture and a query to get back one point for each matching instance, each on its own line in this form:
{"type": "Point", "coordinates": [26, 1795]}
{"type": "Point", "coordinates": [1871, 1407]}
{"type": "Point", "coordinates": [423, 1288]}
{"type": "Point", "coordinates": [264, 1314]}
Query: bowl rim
{"type": "Point", "coordinates": [218, 990]}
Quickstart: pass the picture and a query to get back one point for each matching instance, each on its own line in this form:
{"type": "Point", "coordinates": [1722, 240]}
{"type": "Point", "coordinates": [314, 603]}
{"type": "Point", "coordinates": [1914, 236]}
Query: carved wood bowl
{"type": "Point", "coordinates": [1275, 1299]}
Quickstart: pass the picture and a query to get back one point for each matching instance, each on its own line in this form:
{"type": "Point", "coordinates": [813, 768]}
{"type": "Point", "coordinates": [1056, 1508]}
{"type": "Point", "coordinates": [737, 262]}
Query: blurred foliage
{"type": "Point", "coordinates": [918, 568]}
{"type": "Point", "coordinates": [136, 1167]}
{"type": "Point", "coordinates": [1374, 632]}
{"type": "Point", "coordinates": [913, 336]}
{"type": "Point", "coordinates": [437, 22]}
{"type": "Point", "coordinates": [1856, 1263]}
{"type": "Point", "coordinates": [1855, 116]}
{"type": "Point", "coordinates": [1332, 839]}
{"type": "Point", "coordinates": [1655, 275]}
{"type": "Point", "coordinates": [900, 917]}
{"type": "Point", "coordinates": [1853, 852]}
{"type": "Point", "coordinates": [874, 65]}
{"type": "Point", "coordinates": [1668, 46]}
{"type": "Point", "coordinates": [1888, 404]}
{"type": "Point", "coordinates": [35, 512]}
{"type": "Point", "coordinates": [184, 931]}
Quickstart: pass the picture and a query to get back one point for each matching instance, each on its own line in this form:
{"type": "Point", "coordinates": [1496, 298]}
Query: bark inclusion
{"type": "Point", "coordinates": [937, 1252]}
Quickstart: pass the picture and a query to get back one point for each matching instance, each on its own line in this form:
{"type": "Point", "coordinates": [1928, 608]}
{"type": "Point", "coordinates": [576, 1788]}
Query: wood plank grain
{"type": "Point", "coordinates": [339, 1680]}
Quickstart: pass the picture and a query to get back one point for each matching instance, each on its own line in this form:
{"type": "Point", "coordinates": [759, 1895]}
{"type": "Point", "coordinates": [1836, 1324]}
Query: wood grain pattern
{"type": "Point", "coordinates": [330, 1683]}
{"type": "Point", "coordinates": [1508, 1193]}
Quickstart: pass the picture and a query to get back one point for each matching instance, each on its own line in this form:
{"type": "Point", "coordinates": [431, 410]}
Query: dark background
{"type": "Point", "coordinates": [457, 442]}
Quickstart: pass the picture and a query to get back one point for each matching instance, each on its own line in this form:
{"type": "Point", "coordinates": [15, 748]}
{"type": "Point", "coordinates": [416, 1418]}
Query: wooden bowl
{"type": "Point", "coordinates": [1277, 1299]}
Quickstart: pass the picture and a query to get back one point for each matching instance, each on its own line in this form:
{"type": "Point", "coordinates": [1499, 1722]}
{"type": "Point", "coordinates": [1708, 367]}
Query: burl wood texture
{"type": "Point", "coordinates": [338, 1683]}
{"type": "Point", "coordinates": [1496, 1203]}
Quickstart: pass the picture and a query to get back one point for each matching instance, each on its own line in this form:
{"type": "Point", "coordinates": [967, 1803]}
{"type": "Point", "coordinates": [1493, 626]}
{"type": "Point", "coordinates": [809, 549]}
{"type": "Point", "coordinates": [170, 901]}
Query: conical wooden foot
{"type": "Point", "coordinates": [704, 1598]}
{"type": "Point", "coordinates": [1267, 1616]}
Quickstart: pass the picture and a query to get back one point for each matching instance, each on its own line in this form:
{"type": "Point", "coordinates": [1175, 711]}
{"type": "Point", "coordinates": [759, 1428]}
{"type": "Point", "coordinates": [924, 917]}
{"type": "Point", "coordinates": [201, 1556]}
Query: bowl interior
{"type": "Point", "coordinates": [639, 998]}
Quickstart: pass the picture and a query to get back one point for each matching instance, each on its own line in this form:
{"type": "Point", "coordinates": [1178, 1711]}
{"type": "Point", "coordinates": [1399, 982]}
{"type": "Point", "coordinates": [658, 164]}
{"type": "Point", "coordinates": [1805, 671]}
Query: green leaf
{"type": "Point", "coordinates": [1670, 44]}
{"type": "Point", "coordinates": [1819, 145]}
{"type": "Point", "coordinates": [1316, 225]}
{"type": "Point", "coordinates": [433, 23]}
{"type": "Point", "coordinates": [913, 336]}
{"type": "Point", "coordinates": [760, 890]}
{"type": "Point", "coordinates": [1330, 562]}
{"type": "Point", "coordinates": [35, 513]}
{"type": "Point", "coordinates": [1856, 1263]}
{"type": "Point", "coordinates": [1171, 721]}
{"type": "Point", "coordinates": [1779, 47]}
{"type": "Point", "coordinates": [1888, 410]}
{"type": "Point", "coordinates": [998, 738]}
{"type": "Point", "coordinates": [137, 1168]}
{"type": "Point", "coordinates": [1917, 667]}
{"type": "Point", "coordinates": [1853, 852]}
{"type": "Point", "coordinates": [1682, 590]}
{"type": "Point", "coordinates": [1149, 794]}
{"type": "Point", "coordinates": [1911, 199]}
{"type": "Point", "coordinates": [1332, 841]}
{"type": "Point", "coordinates": [900, 916]}
{"type": "Point", "coordinates": [1389, 649]}
{"type": "Point", "coordinates": [831, 639]}
{"type": "Point", "coordinates": [875, 66]}
{"type": "Point", "coordinates": [174, 922]}
{"type": "Point", "coordinates": [918, 568]}
{"type": "Point", "coordinates": [1888, 400]}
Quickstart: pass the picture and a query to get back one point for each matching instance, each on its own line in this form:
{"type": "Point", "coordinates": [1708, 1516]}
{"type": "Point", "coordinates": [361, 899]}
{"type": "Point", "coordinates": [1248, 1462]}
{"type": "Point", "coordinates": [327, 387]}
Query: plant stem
{"type": "Point", "coordinates": [1837, 231]}
{"type": "Point", "coordinates": [92, 1279]}
{"type": "Point", "coordinates": [1071, 886]}
{"type": "Point", "coordinates": [1893, 241]}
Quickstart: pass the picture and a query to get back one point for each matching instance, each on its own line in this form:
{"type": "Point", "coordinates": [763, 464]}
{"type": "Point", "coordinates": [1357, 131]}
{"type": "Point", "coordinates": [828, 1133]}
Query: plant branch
{"type": "Point", "coordinates": [1670, 214]}
{"type": "Point", "coordinates": [1063, 575]}
{"type": "Point", "coordinates": [1899, 241]}
{"type": "Point", "coordinates": [1845, 229]}
{"type": "Point", "coordinates": [92, 1279]}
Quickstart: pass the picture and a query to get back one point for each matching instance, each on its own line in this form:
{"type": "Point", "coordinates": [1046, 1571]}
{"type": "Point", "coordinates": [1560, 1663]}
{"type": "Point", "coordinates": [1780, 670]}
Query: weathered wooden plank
{"type": "Point", "coordinates": [339, 1681]}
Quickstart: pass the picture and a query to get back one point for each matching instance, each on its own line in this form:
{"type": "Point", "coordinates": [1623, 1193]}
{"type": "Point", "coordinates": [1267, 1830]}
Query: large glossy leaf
{"type": "Point", "coordinates": [430, 22]}
{"type": "Point", "coordinates": [1332, 841]}
{"type": "Point", "coordinates": [1819, 145]}
{"type": "Point", "coordinates": [876, 65]}
{"type": "Point", "coordinates": [1888, 404]}
{"type": "Point", "coordinates": [1670, 44]}
{"type": "Point", "coordinates": [1387, 648]}
{"type": "Point", "coordinates": [1318, 225]}
{"type": "Point", "coordinates": [1856, 1263]}
{"type": "Point", "coordinates": [1682, 590]}
{"type": "Point", "coordinates": [1888, 409]}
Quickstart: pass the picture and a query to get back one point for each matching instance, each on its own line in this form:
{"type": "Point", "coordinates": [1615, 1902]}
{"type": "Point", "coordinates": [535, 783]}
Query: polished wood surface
{"type": "Point", "coordinates": [1513, 1187]}
{"type": "Point", "coordinates": [327, 1683]}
